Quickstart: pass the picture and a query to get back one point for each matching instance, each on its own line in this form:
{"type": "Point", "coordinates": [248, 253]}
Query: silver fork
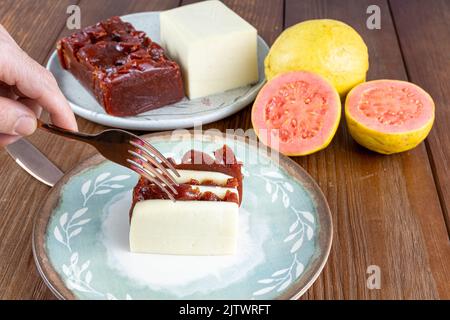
{"type": "Point", "coordinates": [128, 150]}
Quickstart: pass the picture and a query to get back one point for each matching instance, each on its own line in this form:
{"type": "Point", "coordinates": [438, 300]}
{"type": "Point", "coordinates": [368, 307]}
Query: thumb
{"type": "Point", "coordinates": [16, 118]}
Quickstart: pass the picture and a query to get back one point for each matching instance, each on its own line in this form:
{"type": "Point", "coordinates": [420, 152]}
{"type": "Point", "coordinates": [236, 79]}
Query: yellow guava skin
{"type": "Point", "coordinates": [328, 47]}
{"type": "Point", "coordinates": [386, 143]}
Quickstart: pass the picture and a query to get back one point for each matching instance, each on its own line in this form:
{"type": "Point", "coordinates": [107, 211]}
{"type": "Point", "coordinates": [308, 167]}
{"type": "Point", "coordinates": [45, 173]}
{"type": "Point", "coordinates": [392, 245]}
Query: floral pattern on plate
{"type": "Point", "coordinates": [87, 239]}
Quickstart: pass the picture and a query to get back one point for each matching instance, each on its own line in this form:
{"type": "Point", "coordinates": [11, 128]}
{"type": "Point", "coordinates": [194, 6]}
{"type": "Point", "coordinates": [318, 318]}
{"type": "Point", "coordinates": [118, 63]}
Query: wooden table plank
{"type": "Point", "coordinates": [424, 40]}
{"type": "Point", "coordinates": [28, 32]}
{"type": "Point", "coordinates": [26, 21]}
{"type": "Point", "coordinates": [424, 33]}
{"type": "Point", "coordinates": [18, 276]}
{"type": "Point", "coordinates": [5, 10]}
{"type": "Point", "coordinates": [379, 214]}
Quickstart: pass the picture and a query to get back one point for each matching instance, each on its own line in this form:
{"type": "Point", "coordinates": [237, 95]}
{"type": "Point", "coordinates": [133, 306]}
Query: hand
{"type": "Point", "coordinates": [25, 88]}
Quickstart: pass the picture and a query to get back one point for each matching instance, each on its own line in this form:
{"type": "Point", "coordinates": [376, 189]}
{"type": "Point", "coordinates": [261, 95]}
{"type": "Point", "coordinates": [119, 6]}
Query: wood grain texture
{"type": "Point", "coordinates": [380, 216]}
{"type": "Point", "coordinates": [424, 33]}
{"type": "Point", "coordinates": [27, 21]}
{"type": "Point", "coordinates": [20, 194]}
{"type": "Point", "coordinates": [386, 209]}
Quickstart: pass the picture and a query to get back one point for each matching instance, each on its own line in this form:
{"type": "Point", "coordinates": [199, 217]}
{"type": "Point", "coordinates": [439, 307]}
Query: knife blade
{"type": "Point", "coordinates": [34, 162]}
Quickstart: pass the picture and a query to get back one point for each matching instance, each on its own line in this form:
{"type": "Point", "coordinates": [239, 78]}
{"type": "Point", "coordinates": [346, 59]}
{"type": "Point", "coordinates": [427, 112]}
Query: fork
{"type": "Point", "coordinates": [128, 150]}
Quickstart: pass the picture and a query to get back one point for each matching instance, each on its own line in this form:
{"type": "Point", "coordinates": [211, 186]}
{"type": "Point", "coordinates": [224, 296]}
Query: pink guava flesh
{"type": "Point", "coordinates": [390, 106]}
{"type": "Point", "coordinates": [296, 113]}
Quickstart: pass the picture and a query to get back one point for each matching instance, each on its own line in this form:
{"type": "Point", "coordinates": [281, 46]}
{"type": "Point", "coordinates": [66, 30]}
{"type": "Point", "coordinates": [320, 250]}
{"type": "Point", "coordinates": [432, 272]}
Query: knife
{"type": "Point", "coordinates": [34, 162]}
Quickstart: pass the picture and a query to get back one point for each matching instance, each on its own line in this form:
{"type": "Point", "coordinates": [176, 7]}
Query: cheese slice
{"type": "Point", "coordinates": [217, 178]}
{"type": "Point", "coordinates": [215, 47]}
{"type": "Point", "coordinates": [184, 227]}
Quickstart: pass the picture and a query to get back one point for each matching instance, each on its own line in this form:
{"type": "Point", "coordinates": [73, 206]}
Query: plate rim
{"type": "Point", "coordinates": [51, 200]}
{"type": "Point", "coordinates": [165, 124]}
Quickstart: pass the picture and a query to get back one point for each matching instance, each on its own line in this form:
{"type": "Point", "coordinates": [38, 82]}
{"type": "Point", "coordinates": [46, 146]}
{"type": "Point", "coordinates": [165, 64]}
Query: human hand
{"type": "Point", "coordinates": [25, 88]}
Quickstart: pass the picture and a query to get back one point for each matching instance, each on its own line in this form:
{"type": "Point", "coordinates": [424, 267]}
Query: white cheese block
{"type": "Point", "coordinates": [216, 177]}
{"type": "Point", "coordinates": [216, 48]}
{"type": "Point", "coordinates": [184, 227]}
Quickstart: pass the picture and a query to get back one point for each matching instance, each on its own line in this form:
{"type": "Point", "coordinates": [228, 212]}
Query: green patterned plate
{"type": "Point", "coordinates": [80, 237]}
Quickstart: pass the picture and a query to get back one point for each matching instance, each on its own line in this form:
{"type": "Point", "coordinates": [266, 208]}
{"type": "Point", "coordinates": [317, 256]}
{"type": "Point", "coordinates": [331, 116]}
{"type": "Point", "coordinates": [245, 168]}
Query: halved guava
{"type": "Point", "coordinates": [297, 113]}
{"type": "Point", "coordinates": [389, 116]}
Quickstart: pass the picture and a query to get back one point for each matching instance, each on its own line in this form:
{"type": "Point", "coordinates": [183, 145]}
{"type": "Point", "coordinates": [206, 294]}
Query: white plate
{"type": "Point", "coordinates": [183, 114]}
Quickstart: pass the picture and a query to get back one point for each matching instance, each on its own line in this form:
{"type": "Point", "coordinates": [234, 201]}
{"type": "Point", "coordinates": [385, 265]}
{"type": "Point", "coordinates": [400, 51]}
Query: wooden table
{"type": "Point", "coordinates": [390, 211]}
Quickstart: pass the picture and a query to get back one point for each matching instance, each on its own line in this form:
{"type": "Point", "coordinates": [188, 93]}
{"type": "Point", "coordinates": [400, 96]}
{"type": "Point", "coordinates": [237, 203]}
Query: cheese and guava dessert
{"type": "Point", "coordinates": [204, 218]}
{"type": "Point", "coordinates": [213, 50]}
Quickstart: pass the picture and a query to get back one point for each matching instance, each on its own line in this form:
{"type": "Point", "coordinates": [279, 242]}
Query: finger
{"type": "Point", "coordinates": [50, 98]}
{"type": "Point", "coordinates": [6, 139]}
{"type": "Point", "coordinates": [32, 104]}
{"type": "Point", "coordinates": [5, 36]}
{"type": "Point", "coordinates": [13, 93]}
{"type": "Point", "coordinates": [16, 118]}
{"type": "Point", "coordinates": [17, 92]}
{"type": "Point", "coordinates": [5, 91]}
{"type": "Point", "coordinates": [35, 82]}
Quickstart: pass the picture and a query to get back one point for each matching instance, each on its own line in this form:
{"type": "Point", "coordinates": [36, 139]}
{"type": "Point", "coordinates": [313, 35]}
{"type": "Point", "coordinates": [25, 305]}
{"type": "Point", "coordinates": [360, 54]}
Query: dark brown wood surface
{"type": "Point", "coordinates": [389, 211]}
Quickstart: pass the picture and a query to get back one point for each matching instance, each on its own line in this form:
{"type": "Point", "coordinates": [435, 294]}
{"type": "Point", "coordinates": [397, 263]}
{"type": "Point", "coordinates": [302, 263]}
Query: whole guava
{"type": "Point", "coordinates": [328, 47]}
